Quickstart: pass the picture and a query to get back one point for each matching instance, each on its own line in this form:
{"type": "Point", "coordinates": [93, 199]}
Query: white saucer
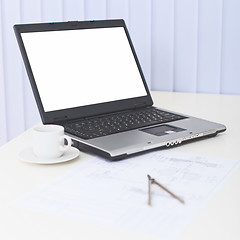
{"type": "Point", "coordinates": [28, 156]}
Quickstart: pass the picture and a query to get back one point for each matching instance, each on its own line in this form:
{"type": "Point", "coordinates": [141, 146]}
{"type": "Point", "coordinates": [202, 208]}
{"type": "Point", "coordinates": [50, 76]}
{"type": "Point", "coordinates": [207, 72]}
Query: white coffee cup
{"type": "Point", "coordinates": [49, 141]}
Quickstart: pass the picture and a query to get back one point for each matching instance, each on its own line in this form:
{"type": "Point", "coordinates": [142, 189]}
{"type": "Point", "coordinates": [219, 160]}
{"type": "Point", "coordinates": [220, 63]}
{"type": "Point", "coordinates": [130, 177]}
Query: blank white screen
{"type": "Point", "coordinates": [81, 67]}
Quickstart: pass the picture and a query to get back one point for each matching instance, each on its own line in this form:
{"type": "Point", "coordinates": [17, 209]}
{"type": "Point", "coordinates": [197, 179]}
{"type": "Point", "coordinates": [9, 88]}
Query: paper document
{"type": "Point", "coordinates": [116, 193]}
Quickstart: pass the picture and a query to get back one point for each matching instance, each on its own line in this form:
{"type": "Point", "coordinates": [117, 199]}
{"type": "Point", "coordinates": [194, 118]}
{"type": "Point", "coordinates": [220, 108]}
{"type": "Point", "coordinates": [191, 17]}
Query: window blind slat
{"type": "Point", "coordinates": [3, 121]}
{"type": "Point", "coordinates": [30, 13]}
{"type": "Point", "coordinates": [95, 9]}
{"type": "Point", "coordinates": [230, 74]}
{"type": "Point", "coordinates": [52, 10]}
{"type": "Point", "coordinates": [162, 40]}
{"type": "Point", "coordinates": [185, 45]}
{"type": "Point", "coordinates": [209, 46]}
{"type": "Point", "coordinates": [73, 10]}
{"type": "Point", "coordinates": [118, 10]}
{"type": "Point", "coordinates": [140, 31]}
{"type": "Point", "coordinates": [12, 69]}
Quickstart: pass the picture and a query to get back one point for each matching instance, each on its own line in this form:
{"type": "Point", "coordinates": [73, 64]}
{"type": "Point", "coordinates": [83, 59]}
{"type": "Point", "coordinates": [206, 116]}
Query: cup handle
{"type": "Point", "coordinates": [69, 143]}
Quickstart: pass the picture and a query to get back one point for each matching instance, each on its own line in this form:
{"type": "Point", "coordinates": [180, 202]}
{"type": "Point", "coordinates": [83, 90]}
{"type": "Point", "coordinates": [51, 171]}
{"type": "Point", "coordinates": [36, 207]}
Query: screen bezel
{"type": "Point", "coordinates": [83, 111]}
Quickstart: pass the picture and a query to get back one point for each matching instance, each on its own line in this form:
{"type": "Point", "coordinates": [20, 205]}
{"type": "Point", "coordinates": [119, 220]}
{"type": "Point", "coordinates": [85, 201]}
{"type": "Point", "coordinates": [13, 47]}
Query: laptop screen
{"type": "Point", "coordinates": [80, 67]}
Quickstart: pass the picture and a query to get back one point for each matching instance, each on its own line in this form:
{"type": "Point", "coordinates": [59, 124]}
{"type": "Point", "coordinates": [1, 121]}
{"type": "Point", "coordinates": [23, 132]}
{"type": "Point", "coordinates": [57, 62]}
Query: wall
{"type": "Point", "coordinates": [183, 45]}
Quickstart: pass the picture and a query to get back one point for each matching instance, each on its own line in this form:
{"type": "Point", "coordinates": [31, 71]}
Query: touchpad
{"type": "Point", "coordinates": [162, 130]}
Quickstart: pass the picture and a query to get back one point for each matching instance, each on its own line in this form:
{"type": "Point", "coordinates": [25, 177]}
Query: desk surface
{"type": "Point", "coordinates": [219, 219]}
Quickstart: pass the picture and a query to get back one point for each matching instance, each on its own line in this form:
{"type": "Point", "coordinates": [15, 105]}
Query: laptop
{"type": "Point", "coordinates": [85, 76]}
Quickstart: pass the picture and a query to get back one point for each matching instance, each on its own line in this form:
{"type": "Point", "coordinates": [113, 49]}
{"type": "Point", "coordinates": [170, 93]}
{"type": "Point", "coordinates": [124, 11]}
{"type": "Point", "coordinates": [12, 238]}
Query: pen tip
{"type": "Point", "coordinates": [149, 177]}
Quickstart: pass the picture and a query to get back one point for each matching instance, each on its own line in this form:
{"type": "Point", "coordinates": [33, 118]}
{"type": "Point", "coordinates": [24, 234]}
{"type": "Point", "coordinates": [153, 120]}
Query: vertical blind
{"type": "Point", "coordinates": [182, 45]}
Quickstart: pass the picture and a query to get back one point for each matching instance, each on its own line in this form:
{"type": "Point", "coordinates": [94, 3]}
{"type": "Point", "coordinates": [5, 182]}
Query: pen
{"type": "Point", "coordinates": [152, 180]}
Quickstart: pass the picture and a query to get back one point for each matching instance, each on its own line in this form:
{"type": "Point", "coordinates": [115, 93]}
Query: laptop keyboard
{"type": "Point", "coordinates": [119, 122]}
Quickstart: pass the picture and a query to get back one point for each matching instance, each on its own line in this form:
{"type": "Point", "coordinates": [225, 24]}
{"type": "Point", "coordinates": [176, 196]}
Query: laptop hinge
{"type": "Point", "coordinates": [140, 105]}
{"type": "Point", "coordinates": [60, 119]}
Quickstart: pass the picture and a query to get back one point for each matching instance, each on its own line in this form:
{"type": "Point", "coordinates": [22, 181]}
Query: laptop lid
{"type": "Point", "coordinates": [82, 69]}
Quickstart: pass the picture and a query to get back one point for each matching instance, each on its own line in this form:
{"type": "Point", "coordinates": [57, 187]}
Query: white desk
{"type": "Point", "coordinates": [219, 219]}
